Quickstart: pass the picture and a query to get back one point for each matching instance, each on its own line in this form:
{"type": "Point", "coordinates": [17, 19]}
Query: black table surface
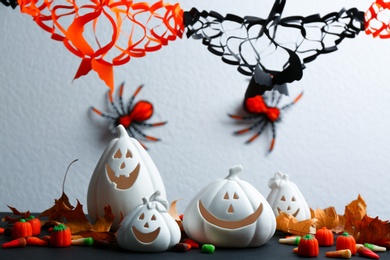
{"type": "Point", "coordinates": [271, 250]}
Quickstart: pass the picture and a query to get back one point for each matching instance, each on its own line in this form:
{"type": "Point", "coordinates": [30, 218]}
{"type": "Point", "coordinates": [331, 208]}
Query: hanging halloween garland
{"type": "Point", "coordinates": [138, 28]}
{"type": "Point", "coordinates": [253, 44]}
{"type": "Point", "coordinates": [132, 117]}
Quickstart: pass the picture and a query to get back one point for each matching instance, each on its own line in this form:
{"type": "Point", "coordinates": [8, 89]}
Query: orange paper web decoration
{"type": "Point", "coordinates": [107, 33]}
{"type": "Point", "coordinates": [377, 19]}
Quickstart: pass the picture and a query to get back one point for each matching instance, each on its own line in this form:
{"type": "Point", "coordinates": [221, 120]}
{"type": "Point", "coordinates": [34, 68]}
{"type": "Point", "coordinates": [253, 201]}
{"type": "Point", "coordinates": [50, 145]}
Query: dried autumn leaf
{"type": "Point", "coordinates": [326, 218]}
{"type": "Point", "coordinates": [56, 212]}
{"type": "Point", "coordinates": [287, 223]}
{"type": "Point", "coordinates": [16, 215]}
{"type": "Point", "coordinates": [175, 214]}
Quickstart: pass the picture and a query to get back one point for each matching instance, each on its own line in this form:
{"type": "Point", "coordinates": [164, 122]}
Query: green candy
{"type": "Point", "coordinates": [208, 248]}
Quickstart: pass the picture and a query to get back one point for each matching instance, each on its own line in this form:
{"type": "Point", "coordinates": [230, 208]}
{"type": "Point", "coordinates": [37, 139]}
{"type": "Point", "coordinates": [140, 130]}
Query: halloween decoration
{"type": "Point", "coordinates": [12, 3]}
{"type": "Point", "coordinates": [21, 229]}
{"type": "Point", "coordinates": [149, 227]}
{"type": "Point", "coordinates": [136, 28]}
{"type": "Point", "coordinates": [130, 30]}
{"type": "Point", "coordinates": [60, 236]}
{"type": "Point", "coordinates": [131, 117]}
{"type": "Point", "coordinates": [377, 19]}
{"type": "Point", "coordinates": [308, 246]}
{"type": "Point", "coordinates": [286, 197]}
{"type": "Point", "coordinates": [123, 176]}
{"type": "Point", "coordinates": [346, 241]}
{"type": "Point", "coordinates": [35, 225]}
{"type": "Point", "coordinates": [343, 254]}
{"type": "Point", "coordinates": [324, 237]}
{"type": "Point", "coordinates": [18, 242]}
{"type": "Point", "coordinates": [229, 212]}
{"type": "Point", "coordinates": [262, 111]}
{"type": "Point", "coordinates": [367, 253]}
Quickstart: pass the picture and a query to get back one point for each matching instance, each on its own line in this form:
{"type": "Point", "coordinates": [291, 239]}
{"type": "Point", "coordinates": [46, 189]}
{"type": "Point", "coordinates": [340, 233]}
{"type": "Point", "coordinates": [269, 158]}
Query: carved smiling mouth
{"type": "Point", "coordinates": [228, 224]}
{"type": "Point", "coordinates": [145, 238]}
{"type": "Point", "coordinates": [122, 182]}
{"type": "Point", "coordinates": [294, 215]}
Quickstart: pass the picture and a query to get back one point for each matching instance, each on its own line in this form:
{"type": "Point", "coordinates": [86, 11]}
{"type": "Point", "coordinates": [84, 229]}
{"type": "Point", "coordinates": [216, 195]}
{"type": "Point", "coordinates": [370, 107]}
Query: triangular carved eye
{"type": "Point", "coordinates": [226, 197]}
{"type": "Point", "coordinates": [141, 217]}
{"type": "Point", "coordinates": [129, 154]}
{"type": "Point", "coordinates": [283, 198]}
{"type": "Point", "coordinates": [153, 217]}
{"type": "Point", "coordinates": [118, 154]}
{"type": "Point", "coordinates": [235, 196]}
{"type": "Point", "coordinates": [293, 198]}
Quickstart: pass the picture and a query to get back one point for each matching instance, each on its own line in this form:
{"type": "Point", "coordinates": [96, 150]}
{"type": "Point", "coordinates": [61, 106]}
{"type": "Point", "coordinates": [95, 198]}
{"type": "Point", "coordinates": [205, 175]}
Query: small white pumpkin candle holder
{"type": "Point", "coordinates": [123, 176]}
{"type": "Point", "coordinates": [149, 227]}
{"type": "Point", "coordinates": [285, 196]}
{"type": "Point", "coordinates": [230, 213]}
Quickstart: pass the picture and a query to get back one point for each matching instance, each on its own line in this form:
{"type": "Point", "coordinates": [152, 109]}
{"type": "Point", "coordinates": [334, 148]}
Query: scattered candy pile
{"type": "Point", "coordinates": [346, 246]}
{"type": "Point", "coordinates": [26, 232]}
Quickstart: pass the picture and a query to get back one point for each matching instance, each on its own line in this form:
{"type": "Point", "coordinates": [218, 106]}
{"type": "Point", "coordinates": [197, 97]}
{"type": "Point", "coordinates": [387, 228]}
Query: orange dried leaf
{"type": "Point", "coordinates": [56, 212]}
{"type": "Point", "coordinates": [287, 223]}
{"type": "Point", "coordinates": [173, 211]}
{"type": "Point", "coordinates": [103, 224]}
{"type": "Point", "coordinates": [326, 218]}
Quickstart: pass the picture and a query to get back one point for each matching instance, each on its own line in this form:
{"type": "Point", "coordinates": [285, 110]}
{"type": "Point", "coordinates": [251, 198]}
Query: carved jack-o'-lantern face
{"type": "Point", "coordinates": [288, 204]}
{"type": "Point", "coordinates": [233, 206]}
{"type": "Point", "coordinates": [146, 232]}
{"type": "Point", "coordinates": [229, 212]}
{"type": "Point", "coordinates": [123, 166]}
{"type": "Point", "coordinates": [286, 197]}
{"type": "Point", "coordinates": [124, 175]}
{"type": "Point", "coordinates": [149, 227]}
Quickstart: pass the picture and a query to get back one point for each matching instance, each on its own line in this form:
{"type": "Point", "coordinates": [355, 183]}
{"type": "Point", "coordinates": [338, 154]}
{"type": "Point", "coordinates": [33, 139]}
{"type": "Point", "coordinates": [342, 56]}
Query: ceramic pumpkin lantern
{"type": "Point", "coordinates": [124, 175]}
{"type": "Point", "coordinates": [285, 196]}
{"type": "Point", "coordinates": [229, 212]}
{"type": "Point", "coordinates": [149, 227]}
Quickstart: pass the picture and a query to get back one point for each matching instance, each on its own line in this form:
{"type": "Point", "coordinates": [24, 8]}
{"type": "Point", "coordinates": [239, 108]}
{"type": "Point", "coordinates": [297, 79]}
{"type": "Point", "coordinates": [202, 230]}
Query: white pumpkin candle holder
{"type": "Point", "coordinates": [285, 196]}
{"type": "Point", "coordinates": [229, 212]}
{"type": "Point", "coordinates": [149, 227]}
{"type": "Point", "coordinates": [123, 176]}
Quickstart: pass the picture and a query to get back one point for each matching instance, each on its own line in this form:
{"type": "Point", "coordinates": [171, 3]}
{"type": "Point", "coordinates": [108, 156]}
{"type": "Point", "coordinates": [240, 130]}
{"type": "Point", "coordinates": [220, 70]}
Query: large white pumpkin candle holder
{"type": "Point", "coordinates": [229, 212]}
{"type": "Point", "coordinates": [285, 196]}
{"type": "Point", "coordinates": [149, 227]}
{"type": "Point", "coordinates": [123, 176]}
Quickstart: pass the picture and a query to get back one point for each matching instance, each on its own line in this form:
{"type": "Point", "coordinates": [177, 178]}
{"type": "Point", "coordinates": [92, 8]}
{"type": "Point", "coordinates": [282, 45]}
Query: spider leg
{"type": "Point", "coordinates": [255, 125]}
{"type": "Point", "coordinates": [133, 97]}
{"type": "Point", "coordinates": [113, 104]}
{"type": "Point", "coordinates": [102, 114]}
{"type": "Point", "coordinates": [244, 117]}
{"type": "Point", "coordinates": [153, 124]}
{"type": "Point", "coordinates": [148, 137]}
{"type": "Point", "coordinates": [292, 103]}
{"type": "Point", "coordinates": [258, 132]}
{"type": "Point", "coordinates": [133, 136]}
{"type": "Point", "coordinates": [273, 137]}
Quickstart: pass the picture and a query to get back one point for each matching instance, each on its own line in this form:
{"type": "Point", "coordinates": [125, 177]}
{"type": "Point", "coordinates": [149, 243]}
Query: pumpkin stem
{"type": "Point", "coordinates": [121, 131]}
{"type": "Point", "coordinates": [66, 173]}
{"type": "Point", "coordinates": [234, 172]}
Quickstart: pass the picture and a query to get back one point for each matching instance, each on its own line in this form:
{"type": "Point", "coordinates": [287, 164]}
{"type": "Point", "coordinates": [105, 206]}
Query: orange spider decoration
{"type": "Point", "coordinates": [263, 111]}
{"type": "Point", "coordinates": [131, 117]}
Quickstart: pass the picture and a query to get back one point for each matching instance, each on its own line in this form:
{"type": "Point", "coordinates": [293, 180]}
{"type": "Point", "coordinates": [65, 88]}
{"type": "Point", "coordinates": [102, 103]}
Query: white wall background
{"type": "Point", "coordinates": [334, 143]}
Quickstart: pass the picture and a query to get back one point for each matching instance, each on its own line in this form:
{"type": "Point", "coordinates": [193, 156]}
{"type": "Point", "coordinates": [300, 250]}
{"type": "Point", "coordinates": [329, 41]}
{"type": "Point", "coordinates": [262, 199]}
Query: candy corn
{"type": "Point", "coordinates": [290, 240]}
{"type": "Point", "coordinates": [35, 241]}
{"type": "Point", "coordinates": [19, 242]}
{"type": "Point", "coordinates": [344, 253]}
{"type": "Point", "coordinates": [1, 230]}
{"type": "Point", "coordinates": [375, 248]}
{"type": "Point", "coordinates": [366, 252]}
{"type": "Point", "coordinates": [85, 241]}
